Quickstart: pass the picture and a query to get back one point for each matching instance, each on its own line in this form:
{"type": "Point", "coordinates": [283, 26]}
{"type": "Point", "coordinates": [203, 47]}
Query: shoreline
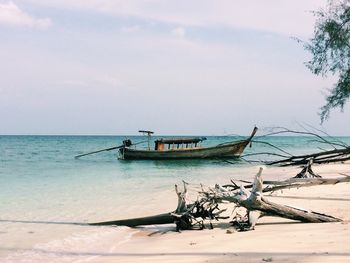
{"type": "Point", "coordinates": [274, 239]}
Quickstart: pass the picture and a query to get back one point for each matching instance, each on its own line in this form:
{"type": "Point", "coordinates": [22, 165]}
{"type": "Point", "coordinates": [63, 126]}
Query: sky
{"type": "Point", "coordinates": [175, 67]}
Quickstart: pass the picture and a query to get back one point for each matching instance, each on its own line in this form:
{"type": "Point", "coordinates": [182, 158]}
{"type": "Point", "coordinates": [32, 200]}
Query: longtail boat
{"type": "Point", "coordinates": [183, 148]}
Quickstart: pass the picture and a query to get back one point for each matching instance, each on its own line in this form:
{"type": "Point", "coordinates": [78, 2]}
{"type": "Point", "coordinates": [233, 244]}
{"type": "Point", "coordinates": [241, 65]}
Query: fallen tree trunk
{"type": "Point", "coordinates": [297, 183]}
{"type": "Point", "coordinates": [192, 216]}
{"type": "Point", "coordinates": [336, 151]}
{"type": "Point", "coordinates": [305, 178]}
{"type": "Point", "coordinates": [166, 218]}
{"type": "Point", "coordinates": [272, 186]}
{"type": "Point", "coordinates": [184, 216]}
{"type": "Point", "coordinates": [254, 201]}
{"type": "Point", "coordinates": [332, 156]}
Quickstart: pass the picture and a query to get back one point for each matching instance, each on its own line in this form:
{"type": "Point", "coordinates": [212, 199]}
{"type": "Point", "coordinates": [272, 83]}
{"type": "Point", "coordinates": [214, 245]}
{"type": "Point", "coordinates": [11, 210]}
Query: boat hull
{"type": "Point", "coordinates": [229, 150]}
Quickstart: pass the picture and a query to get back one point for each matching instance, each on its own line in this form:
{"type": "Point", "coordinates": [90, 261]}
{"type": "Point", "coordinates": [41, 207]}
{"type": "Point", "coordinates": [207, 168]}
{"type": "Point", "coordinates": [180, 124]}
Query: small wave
{"type": "Point", "coordinates": [78, 247]}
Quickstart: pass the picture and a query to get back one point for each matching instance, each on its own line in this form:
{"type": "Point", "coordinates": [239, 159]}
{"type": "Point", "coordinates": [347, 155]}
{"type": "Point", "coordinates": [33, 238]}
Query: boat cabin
{"type": "Point", "coordinates": [177, 143]}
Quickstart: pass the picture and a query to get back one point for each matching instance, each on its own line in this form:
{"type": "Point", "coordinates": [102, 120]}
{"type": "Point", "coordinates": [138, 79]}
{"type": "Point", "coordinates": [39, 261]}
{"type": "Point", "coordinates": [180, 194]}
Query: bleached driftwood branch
{"type": "Point", "coordinates": [257, 205]}
{"type": "Point", "coordinates": [192, 216]}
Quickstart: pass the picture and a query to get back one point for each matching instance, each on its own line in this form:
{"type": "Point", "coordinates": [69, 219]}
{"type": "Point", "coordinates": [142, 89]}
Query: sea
{"type": "Point", "coordinates": [47, 197]}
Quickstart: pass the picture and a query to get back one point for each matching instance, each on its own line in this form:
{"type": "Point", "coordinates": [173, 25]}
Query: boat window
{"type": "Point", "coordinates": [178, 143]}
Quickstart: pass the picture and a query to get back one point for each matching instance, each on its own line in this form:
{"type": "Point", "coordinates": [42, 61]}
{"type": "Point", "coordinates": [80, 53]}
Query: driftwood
{"type": "Point", "coordinates": [324, 157]}
{"type": "Point", "coordinates": [307, 172]}
{"type": "Point", "coordinates": [298, 183]}
{"type": "Point", "coordinates": [166, 218]}
{"type": "Point", "coordinates": [337, 151]}
{"type": "Point", "coordinates": [305, 178]}
{"type": "Point", "coordinates": [206, 208]}
{"type": "Point", "coordinates": [257, 205]}
{"type": "Point", "coordinates": [185, 216]}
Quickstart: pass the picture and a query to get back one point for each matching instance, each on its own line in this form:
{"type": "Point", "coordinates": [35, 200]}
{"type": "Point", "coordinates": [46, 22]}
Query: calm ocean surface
{"type": "Point", "coordinates": [37, 172]}
{"type": "Point", "coordinates": [40, 181]}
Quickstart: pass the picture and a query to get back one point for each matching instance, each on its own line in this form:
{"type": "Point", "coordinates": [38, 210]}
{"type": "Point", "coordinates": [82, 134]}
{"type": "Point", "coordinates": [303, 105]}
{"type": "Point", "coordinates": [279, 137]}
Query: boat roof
{"type": "Point", "coordinates": [180, 140]}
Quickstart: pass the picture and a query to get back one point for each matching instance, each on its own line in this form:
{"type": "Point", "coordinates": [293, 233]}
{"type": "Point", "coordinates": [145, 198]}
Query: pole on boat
{"type": "Point", "coordinates": [148, 137]}
{"type": "Point", "coordinates": [126, 143]}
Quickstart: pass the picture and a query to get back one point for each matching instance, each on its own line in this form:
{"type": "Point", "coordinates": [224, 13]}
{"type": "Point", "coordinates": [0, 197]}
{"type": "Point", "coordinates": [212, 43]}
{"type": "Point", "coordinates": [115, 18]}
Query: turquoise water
{"type": "Point", "coordinates": [45, 165]}
{"type": "Point", "coordinates": [40, 181]}
{"type": "Point", "coordinates": [37, 167]}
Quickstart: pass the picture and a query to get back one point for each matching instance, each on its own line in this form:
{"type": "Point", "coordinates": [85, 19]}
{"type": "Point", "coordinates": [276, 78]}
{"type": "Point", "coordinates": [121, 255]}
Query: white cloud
{"type": "Point", "coordinates": [288, 17]}
{"type": "Point", "coordinates": [179, 32]}
{"type": "Point", "coordinates": [12, 15]}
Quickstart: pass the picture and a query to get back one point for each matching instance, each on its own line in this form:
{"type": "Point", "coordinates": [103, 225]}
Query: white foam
{"type": "Point", "coordinates": [78, 247]}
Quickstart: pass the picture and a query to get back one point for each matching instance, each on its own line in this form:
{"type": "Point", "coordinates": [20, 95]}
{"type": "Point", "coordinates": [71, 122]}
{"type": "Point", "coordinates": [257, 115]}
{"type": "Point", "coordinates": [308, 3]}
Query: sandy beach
{"type": "Point", "coordinates": [273, 240]}
{"type": "Point", "coordinates": [123, 122]}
